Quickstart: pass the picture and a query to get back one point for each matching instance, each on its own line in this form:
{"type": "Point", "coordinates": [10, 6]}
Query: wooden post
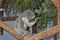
{"type": "Point", "coordinates": [1, 17]}
{"type": "Point", "coordinates": [57, 4]}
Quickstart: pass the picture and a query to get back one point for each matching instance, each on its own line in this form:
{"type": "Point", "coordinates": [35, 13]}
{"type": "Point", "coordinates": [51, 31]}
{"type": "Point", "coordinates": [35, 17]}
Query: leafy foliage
{"type": "Point", "coordinates": [20, 5]}
{"type": "Point", "coordinates": [47, 12]}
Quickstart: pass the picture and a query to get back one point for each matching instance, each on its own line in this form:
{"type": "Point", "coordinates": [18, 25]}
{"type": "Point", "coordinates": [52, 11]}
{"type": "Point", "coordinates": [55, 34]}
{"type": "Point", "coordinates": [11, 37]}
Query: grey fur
{"type": "Point", "coordinates": [19, 24]}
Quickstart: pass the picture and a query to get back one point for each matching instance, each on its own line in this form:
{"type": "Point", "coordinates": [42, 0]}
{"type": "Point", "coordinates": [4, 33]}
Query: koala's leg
{"type": "Point", "coordinates": [20, 29]}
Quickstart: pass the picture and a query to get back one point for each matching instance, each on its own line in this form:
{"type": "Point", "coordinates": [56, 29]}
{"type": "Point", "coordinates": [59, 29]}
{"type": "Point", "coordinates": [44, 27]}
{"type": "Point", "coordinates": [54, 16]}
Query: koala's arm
{"type": "Point", "coordinates": [31, 24]}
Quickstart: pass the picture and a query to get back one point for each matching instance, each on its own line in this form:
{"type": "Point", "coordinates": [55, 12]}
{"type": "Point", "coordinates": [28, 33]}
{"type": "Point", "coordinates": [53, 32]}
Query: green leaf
{"type": "Point", "coordinates": [37, 11]}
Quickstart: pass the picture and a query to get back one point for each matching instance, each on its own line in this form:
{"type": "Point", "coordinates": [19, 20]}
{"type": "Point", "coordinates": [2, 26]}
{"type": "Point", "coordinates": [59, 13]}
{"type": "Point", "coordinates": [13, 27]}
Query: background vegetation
{"type": "Point", "coordinates": [47, 12]}
{"type": "Point", "coordinates": [44, 9]}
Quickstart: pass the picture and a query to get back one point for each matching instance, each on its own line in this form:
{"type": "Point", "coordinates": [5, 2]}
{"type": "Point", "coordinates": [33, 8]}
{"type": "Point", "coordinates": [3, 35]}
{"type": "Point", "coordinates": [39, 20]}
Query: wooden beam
{"type": "Point", "coordinates": [9, 18]}
{"type": "Point", "coordinates": [10, 30]}
{"type": "Point", "coordinates": [46, 33]}
{"type": "Point", "coordinates": [57, 4]}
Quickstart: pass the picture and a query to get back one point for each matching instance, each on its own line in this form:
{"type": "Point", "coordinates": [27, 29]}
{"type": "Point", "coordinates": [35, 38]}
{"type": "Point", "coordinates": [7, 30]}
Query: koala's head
{"type": "Point", "coordinates": [29, 14]}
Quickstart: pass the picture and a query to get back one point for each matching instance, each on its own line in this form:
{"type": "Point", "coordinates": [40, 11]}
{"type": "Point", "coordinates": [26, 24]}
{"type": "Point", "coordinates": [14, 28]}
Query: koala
{"type": "Point", "coordinates": [23, 21]}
